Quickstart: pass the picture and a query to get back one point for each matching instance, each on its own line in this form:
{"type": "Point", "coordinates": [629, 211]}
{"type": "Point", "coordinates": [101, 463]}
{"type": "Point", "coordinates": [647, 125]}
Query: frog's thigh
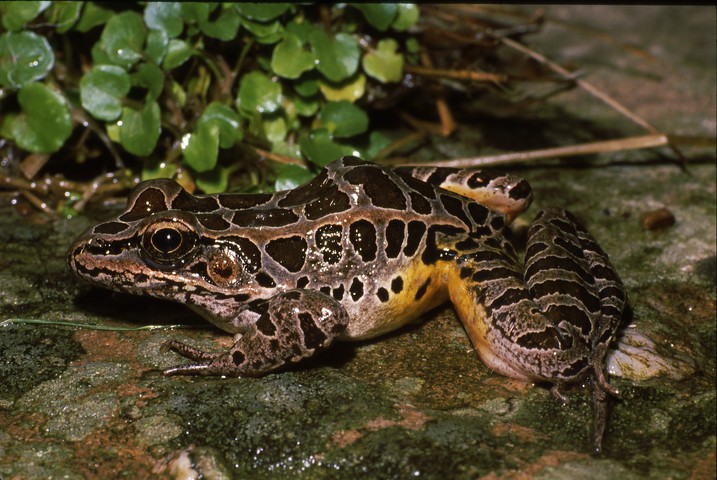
{"type": "Point", "coordinates": [549, 320]}
{"type": "Point", "coordinates": [291, 326]}
{"type": "Point", "coordinates": [508, 194]}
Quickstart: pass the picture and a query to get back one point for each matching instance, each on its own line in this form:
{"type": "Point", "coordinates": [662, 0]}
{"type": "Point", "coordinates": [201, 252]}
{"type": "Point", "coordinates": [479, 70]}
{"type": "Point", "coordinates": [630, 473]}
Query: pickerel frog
{"type": "Point", "coordinates": [360, 251]}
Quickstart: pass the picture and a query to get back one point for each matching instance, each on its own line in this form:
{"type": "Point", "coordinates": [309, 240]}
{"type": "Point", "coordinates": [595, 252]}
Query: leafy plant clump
{"type": "Point", "coordinates": [198, 89]}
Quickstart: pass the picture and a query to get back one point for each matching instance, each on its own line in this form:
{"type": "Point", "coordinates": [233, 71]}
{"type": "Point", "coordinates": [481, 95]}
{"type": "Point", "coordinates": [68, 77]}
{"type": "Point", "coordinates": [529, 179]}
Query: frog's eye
{"type": "Point", "coordinates": [166, 240]}
{"type": "Point", "coordinates": [169, 244]}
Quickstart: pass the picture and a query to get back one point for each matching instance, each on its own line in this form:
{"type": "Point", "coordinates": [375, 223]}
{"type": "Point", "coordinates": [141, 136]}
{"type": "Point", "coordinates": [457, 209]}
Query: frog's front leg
{"type": "Point", "coordinates": [551, 320]}
{"type": "Point", "coordinates": [284, 329]}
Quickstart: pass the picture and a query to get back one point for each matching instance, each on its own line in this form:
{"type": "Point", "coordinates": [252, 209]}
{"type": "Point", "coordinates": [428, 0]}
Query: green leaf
{"type": "Point", "coordinates": [407, 17]}
{"type": "Point", "coordinates": [289, 59]}
{"type": "Point", "coordinates": [178, 52]}
{"type": "Point", "coordinates": [337, 59]}
{"type": "Point", "coordinates": [301, 29]}
{"type": "Point", "coordinates": [344, 119]}
{"type": "Point", "coordinates": [306, 107]}
{"type": "Point", "coordinates": [377, 141]}
{"type": "Point", "coordinates": [257, 93]}
{"type": "Point", "coordinates": [177, 93]}
{"type": "Point", "coordinates": [274, 127]}
{"type": "Point", "coordinates": [384, 64]}
{"type": "Point", "coordinates": [262, 12]}
{"type": "Point", "coordinates": [24, 58]}
{"type": "Point", "coordinates": [45, 122]}
{"type": "Point", "coordinates": [139, 129]}
{"type": "Point", "coordinates": [380, 15]}
{"type": "Point", "coordinates": [92, 16]}
{"type": "Point", "coordinates": [413, 45]}
{"type": "Point", "coordinates": [320, 149]}
{"type": "Point", "coordinates": [201, 148]}
{"type": "Point", "coordinates": [195, 12]}
{"type": "Point", "coordinates": [149, 76]}
{"type": "Point", "coordinates": [157, 46]}
{"type": "Point", "coordinates": [164, 16]}
{"type": "Point", "coordinates": [226, 120]}
{"type": "Point", "coordinates": [16, 14]}
{"type": "Point", "coordinates": [225, 27]}
{"type": "Point", "coordinates": [307, 85]}
{"type": "Point", "coordinates": [214, 181]}
{"type": "Point", "coordinates": [122, 39]}
{"type": "Point", "coordinates": [63, 15]}
{"type": "Point", "coordinates": [157, 168]}
{"type": "Point", "coordinates": [265, 33]}
{"type": "Point", "coordinates": [102, 90]}
{"type": "Point", "coordinates": [289, 176]}
{"type": "Point", "coordinates": [351, 89]}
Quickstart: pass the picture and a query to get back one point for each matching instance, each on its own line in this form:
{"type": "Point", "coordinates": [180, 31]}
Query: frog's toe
{"type": "Point", "coordinates": [188, 351]}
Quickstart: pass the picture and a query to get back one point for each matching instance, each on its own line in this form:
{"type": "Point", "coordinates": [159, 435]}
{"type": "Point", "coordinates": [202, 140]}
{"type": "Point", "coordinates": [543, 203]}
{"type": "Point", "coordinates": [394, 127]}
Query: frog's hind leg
{"type": "Point", "coordinates": [507, 194]}
{"type": "Point", "coordinates": [285, 329]}
{"type": "Point", "coordinates": [551, 320]}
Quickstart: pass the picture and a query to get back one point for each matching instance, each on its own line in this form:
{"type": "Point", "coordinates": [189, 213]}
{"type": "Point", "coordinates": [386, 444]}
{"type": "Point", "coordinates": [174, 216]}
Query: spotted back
{"type": "Point", "coordinates": [366, 235]}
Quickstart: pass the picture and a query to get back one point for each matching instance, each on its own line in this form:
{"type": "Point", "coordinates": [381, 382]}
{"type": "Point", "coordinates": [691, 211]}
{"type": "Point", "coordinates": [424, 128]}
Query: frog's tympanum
{"type": "Point", "coordinates": [360, 251]}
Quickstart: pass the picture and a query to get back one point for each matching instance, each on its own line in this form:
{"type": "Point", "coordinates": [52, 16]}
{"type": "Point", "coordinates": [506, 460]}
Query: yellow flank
{"type": "Point", "coordinates": [403, 307]}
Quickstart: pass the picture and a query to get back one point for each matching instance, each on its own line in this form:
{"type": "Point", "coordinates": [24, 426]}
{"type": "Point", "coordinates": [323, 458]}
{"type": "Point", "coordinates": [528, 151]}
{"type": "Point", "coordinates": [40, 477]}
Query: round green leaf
{"type": "Point", "coordinates": [289, 59]}
{"type": "Point", "coordinates": [289, 176]}
{"type": "Point", "coordinates": [24, 58]}
{"type": "Point", "coordinates": [16, 14]}
{"type": "Point", "coordinates": [195, 12]}
{"type": "Point", "coordinates": [139, 129]}
{"type": "Point", "coordinates": [344, 119]}
{"type": "Point", "coordinates": [178, 52]}
{"type": "Point", "coordinates": [265, 33]}
{"type": "Point", "coordinates": [157, 46]}
{"type": "Point", "coordinates": [307, 85]}
{"type": "Point", "coordinates": [122, 39]}
{"type": "Point", "coordinates": [377, 141]}
{"type": "Point", "coordinates": [149, 76]}
{"type": "Point", "coordinates": [274, 127]}
{"type": "Point", "coordinates": [201, 148]}
{"type": "Point", "coordinates": [92, 16]}
{"type": "Point", "coordinates": [164, 16]}
{"type": "Point", "coordinates": [320, 149]}
{"type": "Point", "coordinates": [257, 93]}
{"type": "Point", "coordinates": [407, 17]}
{"type": "Point", "coordinates": [380, 15]}
{"type": "Point", "coordinates": [384, 64]}
{"type": "Point", "coordinates": [338, 58]}
{"type": "Point", "coordinates": [306, 107]}
{"type": "Point", "coordinates": [351, 89]}
{"type": "Point", "coordinates": [45, 122]}
{"type": "Point", "coordinates": [300, 28]}
{"type": "Point", "coordinates": [262, 12]}
{"type": "Point", "coordinates": [64, 15]}
{"type": "Point", "coordinates": [157, 168]}
{"type": "Point", "coordinates": [226, 120]}
{"type": "Point", "coordinates": [225, 27]}
{"type": "Point", "coordinates": [214, 181]}
{"type": "Point", "coordinates": [102, 90]}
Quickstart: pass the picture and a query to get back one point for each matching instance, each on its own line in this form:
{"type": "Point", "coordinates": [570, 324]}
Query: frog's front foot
{"type": "Point", "coordinates": [293, 325]}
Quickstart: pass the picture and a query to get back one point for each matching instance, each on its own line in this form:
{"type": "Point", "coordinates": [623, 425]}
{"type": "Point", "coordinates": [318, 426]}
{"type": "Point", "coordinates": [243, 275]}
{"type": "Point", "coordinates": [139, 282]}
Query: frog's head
{"type": "Point", "coordinates": [168, 244]}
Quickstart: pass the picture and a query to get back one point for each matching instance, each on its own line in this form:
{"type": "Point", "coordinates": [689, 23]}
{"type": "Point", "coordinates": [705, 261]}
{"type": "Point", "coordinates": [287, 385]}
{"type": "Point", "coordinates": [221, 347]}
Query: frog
{"type": "Point", "coordinates": [362, 250]}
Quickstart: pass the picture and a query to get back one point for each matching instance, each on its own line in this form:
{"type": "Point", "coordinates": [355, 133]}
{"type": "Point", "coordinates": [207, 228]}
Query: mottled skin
{"type": "Point", "coordinates": [360, 251]}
